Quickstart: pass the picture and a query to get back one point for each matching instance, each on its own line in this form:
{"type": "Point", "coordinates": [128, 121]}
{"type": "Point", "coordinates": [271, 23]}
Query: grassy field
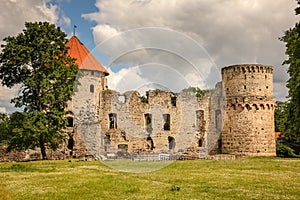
{"type": "Point", "coordinates": [255, 178]}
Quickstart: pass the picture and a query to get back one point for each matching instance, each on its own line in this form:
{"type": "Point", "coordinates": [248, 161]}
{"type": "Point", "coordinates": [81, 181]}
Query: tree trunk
{"type": "Point", "coordinates": [43, 148]}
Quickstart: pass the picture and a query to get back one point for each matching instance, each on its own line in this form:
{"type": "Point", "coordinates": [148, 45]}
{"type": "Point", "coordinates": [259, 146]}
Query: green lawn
{"type": "Point", "coordinates": [254, 178]}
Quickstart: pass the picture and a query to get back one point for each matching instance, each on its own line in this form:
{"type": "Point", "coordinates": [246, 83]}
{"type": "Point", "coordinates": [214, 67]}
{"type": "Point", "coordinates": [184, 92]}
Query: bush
{"type": "Point", "coordinates": [283, 150]}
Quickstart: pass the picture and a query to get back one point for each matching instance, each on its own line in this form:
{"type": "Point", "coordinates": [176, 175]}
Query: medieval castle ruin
{"type": "Point", "coordinates": [235, 118]}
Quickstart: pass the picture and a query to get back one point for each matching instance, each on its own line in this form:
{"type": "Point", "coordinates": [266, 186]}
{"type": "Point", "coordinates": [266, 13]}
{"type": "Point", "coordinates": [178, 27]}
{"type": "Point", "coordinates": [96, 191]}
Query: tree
{"type": "Point", "coordinates": [280, 116]}
{"type": "Point", "coordinates": [197, 91]}
{"type": "Point", "coordinates": [292, 125]}
{"type": "Point", "coordinates": [282, 147]}
{"type": "Point", "coordinates": [37, 60]}
{"type": "Point", "coordinates": [3, 127]}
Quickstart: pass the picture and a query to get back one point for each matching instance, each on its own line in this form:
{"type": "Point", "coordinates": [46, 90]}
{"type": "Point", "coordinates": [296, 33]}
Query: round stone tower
{"type": "Point", "coordinates": [248, 128]}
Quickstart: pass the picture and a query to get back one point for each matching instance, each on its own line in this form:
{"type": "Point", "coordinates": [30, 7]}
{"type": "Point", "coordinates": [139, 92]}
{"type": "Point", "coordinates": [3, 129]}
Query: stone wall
{"type": "Point", "coordinates": [249, 119]}
{"type": "Point", "coordinates": [236, 118]}
{"type": "Point", "coordinates": [191, 129]}
{"type": "Point", "coordinates": [88, 138]}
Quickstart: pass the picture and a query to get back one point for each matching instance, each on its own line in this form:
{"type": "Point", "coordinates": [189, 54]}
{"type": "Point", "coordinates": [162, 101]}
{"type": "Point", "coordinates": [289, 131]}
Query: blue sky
{"type": "Point", "coordinates": [208, 34]}
{"type": "Point", "coordinates": [74, 10]}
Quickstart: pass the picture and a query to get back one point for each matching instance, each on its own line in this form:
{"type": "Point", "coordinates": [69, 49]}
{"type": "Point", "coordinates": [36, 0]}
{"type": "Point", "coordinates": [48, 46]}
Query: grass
{"type": "Point", "coordinates": [252, 178]}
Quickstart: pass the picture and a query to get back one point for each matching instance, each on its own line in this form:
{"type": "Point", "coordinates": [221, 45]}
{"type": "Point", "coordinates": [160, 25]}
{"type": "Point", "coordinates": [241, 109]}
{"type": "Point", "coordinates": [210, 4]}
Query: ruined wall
{"type": "Point", "coordinates": [249, 119]}
{"type": "Point", "coordinates": [214, 129]}
{"type": "Point", "coordinates": [179, 123]}
{"type": "Point", "coordinates": [236, 118]}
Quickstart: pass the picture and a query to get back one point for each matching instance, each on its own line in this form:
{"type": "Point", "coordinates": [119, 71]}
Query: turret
{"type": "Point", "coordinates": [248, 128]}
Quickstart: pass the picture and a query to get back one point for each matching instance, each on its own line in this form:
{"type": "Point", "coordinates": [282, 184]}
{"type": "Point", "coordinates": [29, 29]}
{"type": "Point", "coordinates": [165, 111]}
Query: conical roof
{"type": "Point", "coordinates": [84, 59]}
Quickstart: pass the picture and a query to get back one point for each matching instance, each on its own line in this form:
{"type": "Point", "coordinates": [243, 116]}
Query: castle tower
{"type": "Point", "coordinates": [248, 128]}
{"type": "Point", "coordinates": [92, 77]}
{"type": "Point", "coordinates": [85, 101]}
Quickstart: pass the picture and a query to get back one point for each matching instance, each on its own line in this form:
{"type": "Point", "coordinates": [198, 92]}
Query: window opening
{"type": "Point", "coordinates": [70, 122]}
{"type": "Point", "coordinates": [150, 143]}
{"type": "Point", "coordinates": [92, 88]}
{"type": "Point", "coordinates": [173, 100]}
{"type": "Point", "coordinates": [171, 141]}
{"type": "Point", "coordinates": [166, 122]}
{"type": "Point", "coordinates": [112, 121]}
{"type": "Point", "coordinates": [148, 122]}
{"type": "Point", "coordinates": [200, 143]}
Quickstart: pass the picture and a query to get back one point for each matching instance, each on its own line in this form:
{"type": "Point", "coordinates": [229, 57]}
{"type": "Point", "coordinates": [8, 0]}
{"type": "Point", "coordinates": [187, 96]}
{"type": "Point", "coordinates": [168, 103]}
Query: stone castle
{"type": "Point", "coordinates": [235, 118]}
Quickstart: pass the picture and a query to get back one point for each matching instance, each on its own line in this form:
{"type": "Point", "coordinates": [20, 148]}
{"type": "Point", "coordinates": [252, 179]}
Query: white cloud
{"type": "Point", "coordinates": [232, 31]}
{"type": "Point", "coordinates": [6, 94]}
{"type": "Point", "coordinates": [13, 15]}
{"type": "Point", "coordinates": [104, 32]}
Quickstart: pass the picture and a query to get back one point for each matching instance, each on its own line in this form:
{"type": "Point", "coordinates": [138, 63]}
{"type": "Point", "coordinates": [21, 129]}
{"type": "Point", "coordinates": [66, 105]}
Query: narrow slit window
{"type": "Point", "coordinates": [92, 88]}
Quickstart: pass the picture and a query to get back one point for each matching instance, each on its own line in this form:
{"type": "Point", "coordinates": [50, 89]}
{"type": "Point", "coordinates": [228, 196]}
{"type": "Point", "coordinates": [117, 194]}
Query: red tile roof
{"type": "Point", "coordinates": [277, 135]}
{"type": "Point", "coordinates": [84, 59]}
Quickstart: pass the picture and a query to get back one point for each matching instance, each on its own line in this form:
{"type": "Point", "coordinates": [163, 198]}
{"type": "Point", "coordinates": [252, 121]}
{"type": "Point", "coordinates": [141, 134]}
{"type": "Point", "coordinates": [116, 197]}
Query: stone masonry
{"type": "Point", "coordinates": [249, 110]}
{"type": "Point", "coordinates": [235, 118]}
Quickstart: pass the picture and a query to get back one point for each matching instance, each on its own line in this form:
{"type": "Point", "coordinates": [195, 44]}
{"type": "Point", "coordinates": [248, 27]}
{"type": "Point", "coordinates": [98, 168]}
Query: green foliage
{"type": "Point", "coordinates": [283, 150]}
{"type": "Point", "coordinates": [280, 116]}
{"type": "Point", "coordinates": [197, 91]}
{"type": "Point", "coordinates": [4, 130]}
{"type": "Point", "coordinates": [23, 130]}
{"type": "Point", "coordinates": [297, 10]}
{"type": "Point", "coordinates": [144, 99]}
{"type": "Point", "coordinates": [292, 125]}
{"type": "Point", "coordinates": [37, 60]}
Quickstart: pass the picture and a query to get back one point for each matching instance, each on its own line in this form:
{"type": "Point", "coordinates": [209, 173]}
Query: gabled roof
{"type": "Point", "coordinates": [84, 59]}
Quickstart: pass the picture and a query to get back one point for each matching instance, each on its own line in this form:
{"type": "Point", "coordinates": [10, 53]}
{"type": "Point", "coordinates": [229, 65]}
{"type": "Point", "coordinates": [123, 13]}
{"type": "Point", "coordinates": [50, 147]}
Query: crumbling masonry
{"type": "Point", "coordinates": [235, 118]}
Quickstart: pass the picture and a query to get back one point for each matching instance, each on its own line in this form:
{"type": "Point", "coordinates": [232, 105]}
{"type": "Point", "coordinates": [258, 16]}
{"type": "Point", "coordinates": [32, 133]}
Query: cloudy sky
{"type": "Point", "coordinates": [165, 43]}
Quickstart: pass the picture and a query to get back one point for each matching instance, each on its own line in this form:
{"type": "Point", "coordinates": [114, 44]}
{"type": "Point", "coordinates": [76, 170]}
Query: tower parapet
{"type": "Point", "coordinates": [249, 110]}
